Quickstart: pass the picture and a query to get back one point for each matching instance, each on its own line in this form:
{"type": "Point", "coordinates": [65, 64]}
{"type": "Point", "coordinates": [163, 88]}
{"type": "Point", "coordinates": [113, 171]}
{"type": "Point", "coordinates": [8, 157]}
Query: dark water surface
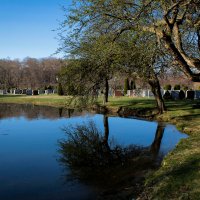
{"type": "Point", "coordinates": [30, 167]}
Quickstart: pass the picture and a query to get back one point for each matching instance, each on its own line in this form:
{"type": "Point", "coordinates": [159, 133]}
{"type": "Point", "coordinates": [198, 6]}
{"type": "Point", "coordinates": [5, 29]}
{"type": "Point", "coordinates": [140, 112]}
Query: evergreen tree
{"type": "Point", "coordinates": [60, 90]}
{"type": "Point", "coordinates": [126, 86]}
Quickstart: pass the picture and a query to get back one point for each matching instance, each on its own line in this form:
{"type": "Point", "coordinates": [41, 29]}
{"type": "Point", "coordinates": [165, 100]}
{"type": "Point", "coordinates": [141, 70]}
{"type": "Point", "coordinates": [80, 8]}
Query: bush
{"type": "Point", "coordinates": [185, 87]}
{"type": "Point", "coordinates": [177, 87]}
{"type": "Point", "coordinates": [181, 95]}
{"type": "Point", "coordinates": [167, 87]}
{"type": "Point", "coordinates": [60, 90]}
{"type": "Point", "coordinates": [50, 87]}
{"type": "Point", "coordinates": [167, 95]}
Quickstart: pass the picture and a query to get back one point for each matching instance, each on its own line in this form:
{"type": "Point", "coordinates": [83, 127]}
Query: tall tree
{"type": "Point", "coordinates": [117, 17]}
{"type": "Point", "coordinates": [176, 24]}
{"type": "Point", "coordinates": [94, 62]}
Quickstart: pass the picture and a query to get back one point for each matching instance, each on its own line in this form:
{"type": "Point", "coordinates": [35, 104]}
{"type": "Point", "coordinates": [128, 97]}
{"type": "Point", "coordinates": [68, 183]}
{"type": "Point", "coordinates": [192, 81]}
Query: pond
{"type": "Point", "coordinates": [39, 159]}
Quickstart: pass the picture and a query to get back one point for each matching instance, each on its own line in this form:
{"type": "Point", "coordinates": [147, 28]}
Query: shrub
{"type": "Point", "coordinates": [50, 87]}
{"type": "Point", "coordinates": [167, 95]}
{"type": "Point", "coordinates": [185, 87]}
{"type": "Point", "coordinates": [181, 95]}
{"type": "Point", "coordinates": [177, 87]}
{"type": "Point", "coordinates": [167, 87]}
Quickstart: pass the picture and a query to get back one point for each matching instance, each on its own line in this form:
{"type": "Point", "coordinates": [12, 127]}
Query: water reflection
{"type": "Point", "coordinates": [106, 156]}
{"type": "Point", "coordinates": [115, 169]}
{"type": "Point", "coordinates": [34, 112]}
{"type": "Point", "coordinates": [155, 147]}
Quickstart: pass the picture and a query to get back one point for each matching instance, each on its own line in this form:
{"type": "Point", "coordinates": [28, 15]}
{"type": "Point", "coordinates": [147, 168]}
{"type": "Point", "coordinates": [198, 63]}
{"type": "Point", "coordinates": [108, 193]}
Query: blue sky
{"type": "Point", "coordinates": [26, 27]}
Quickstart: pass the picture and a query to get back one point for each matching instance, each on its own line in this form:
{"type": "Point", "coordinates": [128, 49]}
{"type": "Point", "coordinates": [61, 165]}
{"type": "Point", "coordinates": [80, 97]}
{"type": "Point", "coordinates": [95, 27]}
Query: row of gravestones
{"type": "Point", "coordinates": [171, 94]}
{"type": "Point", "coordinates": [28, 91]}
{"type": "Point", "coordinates": [180, 94]}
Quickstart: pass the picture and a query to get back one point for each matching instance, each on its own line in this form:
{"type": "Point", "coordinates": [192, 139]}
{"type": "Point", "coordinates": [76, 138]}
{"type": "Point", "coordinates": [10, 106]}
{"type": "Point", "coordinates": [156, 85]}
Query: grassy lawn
{"type": "Point", "coordinates": [48, 100]}
{"type": "Point", "coordinates": [179, 175]}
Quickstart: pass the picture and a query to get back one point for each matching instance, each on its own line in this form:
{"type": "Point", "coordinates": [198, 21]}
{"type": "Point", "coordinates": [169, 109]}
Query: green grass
{"type": "Point", "coordinates": [179, 175]}
{"type": "Point", "coordinates": [48, 100]}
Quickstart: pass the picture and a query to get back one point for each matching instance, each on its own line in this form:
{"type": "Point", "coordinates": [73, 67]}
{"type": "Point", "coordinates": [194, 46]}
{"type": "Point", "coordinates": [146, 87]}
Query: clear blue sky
{"type": "Point", "coordinates": [26, 27]}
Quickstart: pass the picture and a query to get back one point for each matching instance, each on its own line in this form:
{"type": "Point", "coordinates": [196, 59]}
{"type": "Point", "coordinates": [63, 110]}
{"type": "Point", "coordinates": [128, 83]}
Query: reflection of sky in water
{"type": "Point", "coordinates": [28, 153]}
{"type": "Point", "coordinates": [126, 131]}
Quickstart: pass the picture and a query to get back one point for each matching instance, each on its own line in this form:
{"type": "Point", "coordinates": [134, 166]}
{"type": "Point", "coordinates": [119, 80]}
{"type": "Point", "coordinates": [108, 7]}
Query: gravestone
{"type": "Point", "coordinates": [48, 91]}
{"type": "Point", "coordinates": [175, 94]}
{"type": "Point", "coordinates": [190, 94]}
{"type": "Point", "coordinates": [35, 92]}
{"type": "Point", "coordinates": [118, 93]}
{"type": "Point", "coordinates": [17, 91]}
{"type": "Point", "coordinates": [137, 93]}
{"type": "Point", "coordinates": [29, 92]}
{"type": "Point", "coordinates": [2, 92]}
{"type": "Point", "coordinates": [197, 94]}
{"type": "Point", "coordinates": [24, 91]}
{"type": "Point", "coordinates": [41, 91]}
{"type": "Point", "coordinates": [129, 93]}
{"type": "Point", "coordinates": [55, 91]}
{"type": "Point", "coordinates": [144, 93]}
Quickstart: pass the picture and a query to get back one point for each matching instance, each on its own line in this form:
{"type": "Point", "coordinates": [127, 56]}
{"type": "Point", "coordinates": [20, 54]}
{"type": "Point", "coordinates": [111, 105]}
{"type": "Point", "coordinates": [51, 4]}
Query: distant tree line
{"type": "Point", "coordinates": [29, 73]}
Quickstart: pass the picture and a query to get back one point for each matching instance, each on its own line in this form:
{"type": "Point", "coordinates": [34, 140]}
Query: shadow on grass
{"type": "Point", "coordinates": [178, 180]}
{"type": "Point", "coordinates": [134, 103]}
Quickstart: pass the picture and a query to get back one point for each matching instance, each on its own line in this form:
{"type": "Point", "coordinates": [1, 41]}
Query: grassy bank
{"type": "Point", "coordinates": [179, 175]}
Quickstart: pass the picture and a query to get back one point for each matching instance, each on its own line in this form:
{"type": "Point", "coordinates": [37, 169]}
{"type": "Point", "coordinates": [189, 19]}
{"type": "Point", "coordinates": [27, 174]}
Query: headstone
{"type": "Point", "coordinates": [35, 92]}
{"type": "Point", "coordinates": [55, 91]}
{"type": "Point", "coordinates": [118, 93]}
{"type": "Point", "coordinates": [2, 92]}
{"type": "Point", "coordinates": [41, 91]}
{"type": "Point", "coordinates": [137, 93]}
{"type": "Point", "coordinates": [17, 91]}
{"type": "Point", "coordinates": [162, 92]}
{"type": "Point", "coordinates": [24, 91]}
{"type": "Point", "coordinates": [175, 94]}
{"type": "Point", "coordinates": [190, 94]}
{"type": "Point", "coordinates": [197, 94]}
{"type": "Point", "coordinates": [29, 92]}
{"type": "Point", "coordinates": [129, 93]}
{"type": "Point", "coordinates": [48, 91]}
{"type": "Point", "coordinates": [144, 93]}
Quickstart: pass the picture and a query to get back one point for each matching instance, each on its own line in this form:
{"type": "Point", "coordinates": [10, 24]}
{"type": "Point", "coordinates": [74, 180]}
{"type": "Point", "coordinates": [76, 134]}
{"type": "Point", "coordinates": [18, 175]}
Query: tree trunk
{"type": "Point", "coordinates": [106, 133]}
{"type": "Point", "coordinates": [106, 128]}
{"type": "Point", "coordinates": [155, 147]}
{"type": "Point", "coordinates": [106, 90]}
{"type": "Point", "coordinates": [155, 88]}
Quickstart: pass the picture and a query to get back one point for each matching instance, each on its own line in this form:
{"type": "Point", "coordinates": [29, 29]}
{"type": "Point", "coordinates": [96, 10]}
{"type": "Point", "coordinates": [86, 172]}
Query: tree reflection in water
{"type": "Point", "coordinates": [117, 170]}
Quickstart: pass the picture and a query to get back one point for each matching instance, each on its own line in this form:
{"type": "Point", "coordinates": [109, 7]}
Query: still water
{"type": "Point", "coordinates": [31, 154]}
